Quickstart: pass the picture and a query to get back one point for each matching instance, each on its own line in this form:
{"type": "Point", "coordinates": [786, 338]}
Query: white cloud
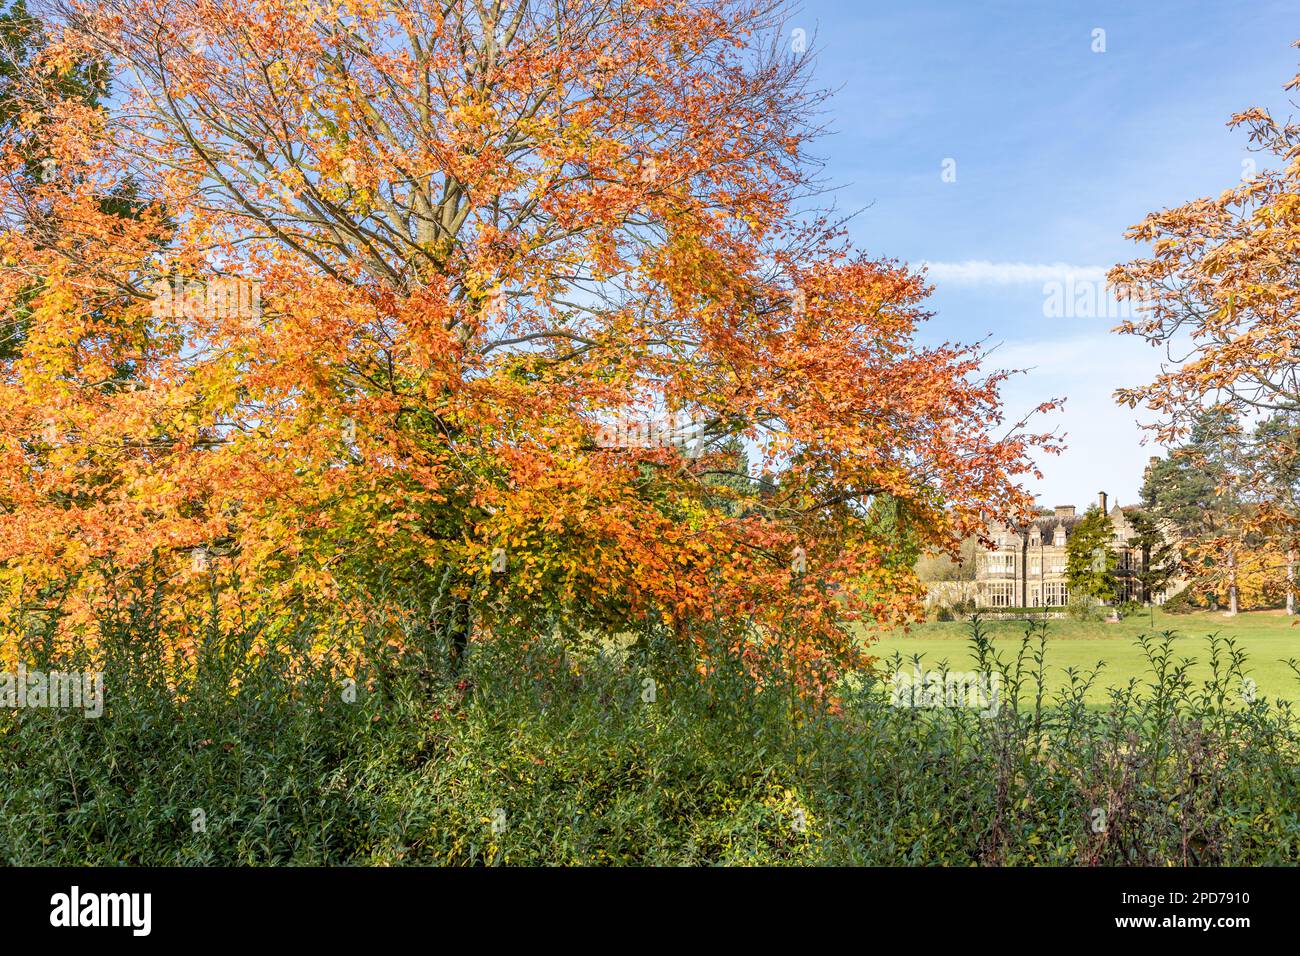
{"type": "Point", "coordinates": [981, 272]}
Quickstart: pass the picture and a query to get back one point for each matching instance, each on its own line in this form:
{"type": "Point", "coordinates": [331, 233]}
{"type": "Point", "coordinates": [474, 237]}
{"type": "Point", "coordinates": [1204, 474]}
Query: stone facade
{"type": "Point", "coordinates": [1026, 567]}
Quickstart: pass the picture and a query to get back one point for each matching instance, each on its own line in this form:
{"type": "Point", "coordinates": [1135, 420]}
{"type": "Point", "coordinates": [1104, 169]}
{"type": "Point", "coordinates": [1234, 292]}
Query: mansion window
{"type": "Point", "coordinates": [1055, 594]}
{"type": "Point", "coordinates": [1002, 563]}
{"type": "Point", "coordinates": [1001, 595]}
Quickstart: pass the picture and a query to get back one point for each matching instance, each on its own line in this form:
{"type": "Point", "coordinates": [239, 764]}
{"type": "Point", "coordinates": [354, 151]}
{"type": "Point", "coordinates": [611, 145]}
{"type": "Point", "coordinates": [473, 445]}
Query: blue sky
{"type": "Point", "coordinates": [1057, 150]}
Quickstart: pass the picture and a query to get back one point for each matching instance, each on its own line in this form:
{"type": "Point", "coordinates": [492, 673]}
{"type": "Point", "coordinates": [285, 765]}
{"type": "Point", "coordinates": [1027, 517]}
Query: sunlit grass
{"type": "Point", "coordinates": [1267, 637]}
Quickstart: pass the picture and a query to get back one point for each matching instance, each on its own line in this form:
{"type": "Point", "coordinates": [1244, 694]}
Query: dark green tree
{"type": "Point", "coordinates": [1158, 555]}
{"type": "Point", "coordinates": [1198, 492]}
{"type": "Point", "coordinates": [1187, 487]}
{"type": "Point", "coordinates": [1090, 558]}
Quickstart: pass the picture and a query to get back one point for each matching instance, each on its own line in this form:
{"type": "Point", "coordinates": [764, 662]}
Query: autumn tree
{"type": "Point", "coordinates": [1275, 451]}
{"type": "Point", "coordinates": [516, 282]}
{"type": "Point", "coordinates": [23, 39]}
{"type": "Point", "coordinates": [1219, 290]}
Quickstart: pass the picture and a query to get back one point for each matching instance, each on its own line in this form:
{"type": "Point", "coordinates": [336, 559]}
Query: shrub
{"type": "Point", "coordinates": [1083, 608]}
{"type": "Point", "coordinates": [627, 753]}
{"type": "Point", "coordinates": [1184, 602]}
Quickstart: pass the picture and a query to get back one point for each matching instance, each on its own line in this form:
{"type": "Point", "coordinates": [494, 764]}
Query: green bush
{"type": "Point", "coordinates": [1084, 608]}
{"type": "Point", "coordinates": [1184, 602]}
{"type": "Point", "coordinates": [955, 610]}
{"type": "Point", "coordinates": [628, 754]}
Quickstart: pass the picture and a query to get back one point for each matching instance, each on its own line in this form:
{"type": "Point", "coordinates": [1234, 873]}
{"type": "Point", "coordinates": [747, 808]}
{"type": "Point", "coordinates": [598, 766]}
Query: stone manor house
{"type": "Point", "coordinates": [1026, 568]}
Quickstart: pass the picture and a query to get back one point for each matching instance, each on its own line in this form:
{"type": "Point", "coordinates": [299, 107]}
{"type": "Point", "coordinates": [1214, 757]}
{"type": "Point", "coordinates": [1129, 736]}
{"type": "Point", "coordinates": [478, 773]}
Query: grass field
{"type": "Point", "coordinates": [1268, 638]}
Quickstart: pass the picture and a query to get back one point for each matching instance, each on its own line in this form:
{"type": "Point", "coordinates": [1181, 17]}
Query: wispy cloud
{"type": "Point", "coordinates": [981, 272]}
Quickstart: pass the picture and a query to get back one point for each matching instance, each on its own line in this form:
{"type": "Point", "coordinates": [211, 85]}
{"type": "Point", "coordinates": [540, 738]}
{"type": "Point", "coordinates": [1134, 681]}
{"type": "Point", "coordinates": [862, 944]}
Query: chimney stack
{"type": "Point", "coordinates": [1101, 500]}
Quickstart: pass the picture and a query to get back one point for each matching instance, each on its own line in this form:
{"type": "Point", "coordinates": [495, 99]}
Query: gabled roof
{"type": "Point", "coordinates": [1046, 524]}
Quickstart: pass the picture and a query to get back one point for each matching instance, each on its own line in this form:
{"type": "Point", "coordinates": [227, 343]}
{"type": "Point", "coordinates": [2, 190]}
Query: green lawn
{"type": "Point", "coordinates": [1267, 637]}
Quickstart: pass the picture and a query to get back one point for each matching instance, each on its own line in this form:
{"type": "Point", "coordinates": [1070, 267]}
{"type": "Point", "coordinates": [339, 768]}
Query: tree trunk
{"type": "Point", "coordinates": [1290, 582]}
{"type": "Point", "coordinates": [1232, 582]}
{"type": "Point", "coordinates": [450, 623]}
{"type": "Point", "coordinates": [459, 632]}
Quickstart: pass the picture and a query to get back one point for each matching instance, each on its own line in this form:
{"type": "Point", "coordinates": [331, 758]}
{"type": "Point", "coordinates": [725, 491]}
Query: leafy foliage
{"type": "Point", "coordinates": [480, 238]}
{"type": "Point", "coordinates": [1218, 277]}
{"type": "Point", "coordinates": [1158, 551]}
{"type": "Point", "coordinates": [535, 754]}
{"type": "Point", "coordinates": [1090, 558]}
